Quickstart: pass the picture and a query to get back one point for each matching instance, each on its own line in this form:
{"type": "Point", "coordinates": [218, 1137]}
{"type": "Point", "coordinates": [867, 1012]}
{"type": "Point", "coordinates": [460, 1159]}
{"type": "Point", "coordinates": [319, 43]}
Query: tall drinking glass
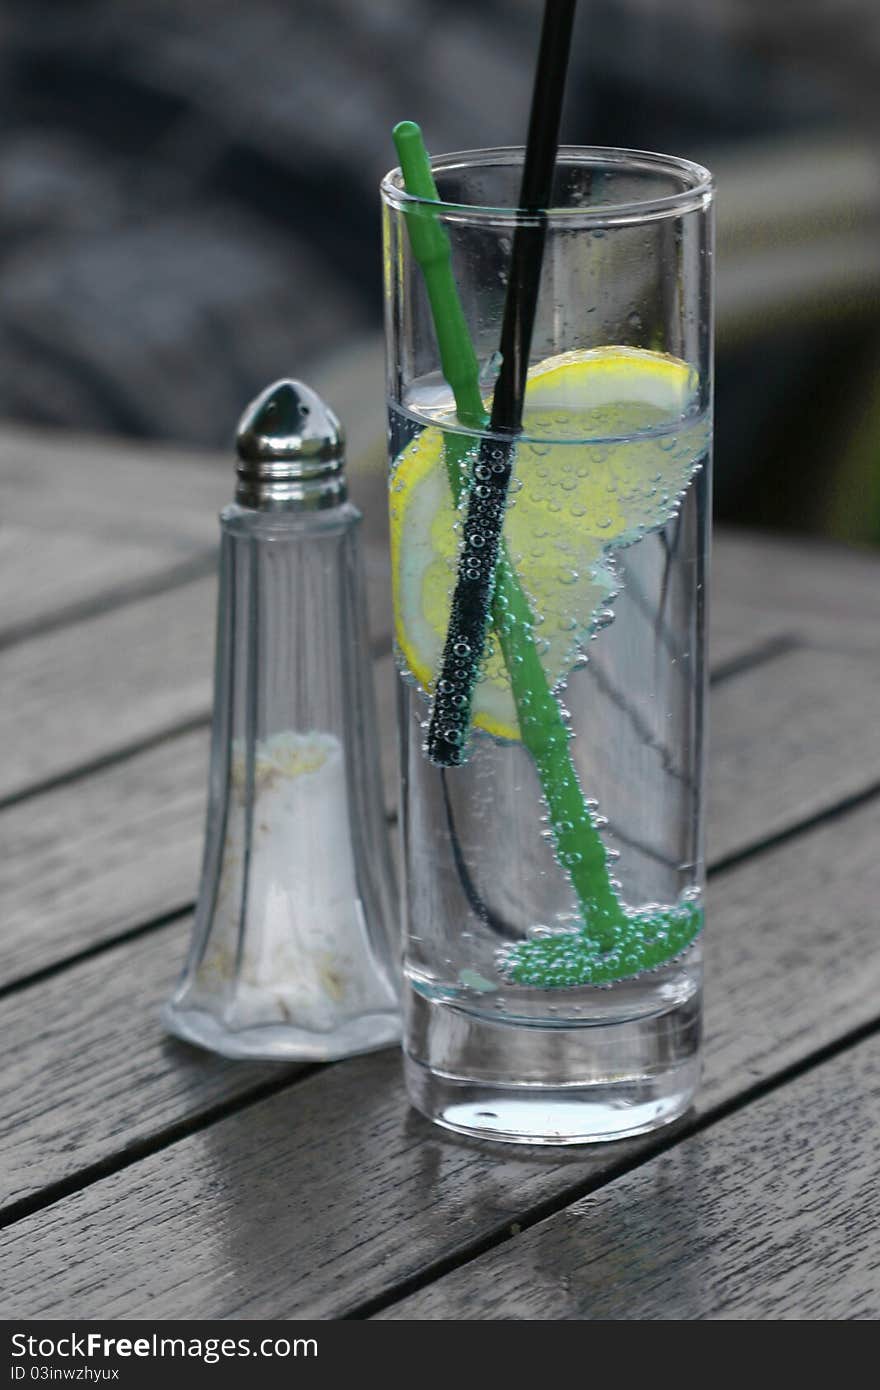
{"type": "Point", "coordinates": [553, 867]}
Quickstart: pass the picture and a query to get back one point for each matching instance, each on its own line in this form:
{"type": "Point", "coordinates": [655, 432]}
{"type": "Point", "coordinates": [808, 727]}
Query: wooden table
{"type": "Point", "coordinates": [145, 1179]}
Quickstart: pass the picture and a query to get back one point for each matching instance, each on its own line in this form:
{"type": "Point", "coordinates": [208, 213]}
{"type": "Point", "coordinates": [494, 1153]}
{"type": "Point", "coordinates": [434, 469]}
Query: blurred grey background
{"type": "Point", "coordinates": [188, 207]}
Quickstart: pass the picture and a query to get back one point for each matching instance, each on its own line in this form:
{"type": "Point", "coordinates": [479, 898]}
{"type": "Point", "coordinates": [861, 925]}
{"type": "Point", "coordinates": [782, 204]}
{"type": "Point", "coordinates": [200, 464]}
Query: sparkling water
{"type": "Point", "coordinates": [605, 514]}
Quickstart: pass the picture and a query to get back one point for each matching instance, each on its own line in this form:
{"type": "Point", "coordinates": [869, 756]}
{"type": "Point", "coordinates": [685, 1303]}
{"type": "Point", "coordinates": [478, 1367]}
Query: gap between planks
{"type": "Point", "coordinates": [27, 832]}
{"type": "Point", "coordinates": [175, 914]}
{"type": "Point", "coordinates": [175, 637]}
{"type": "Point", "coordinates": [380, 647]}
{"type": "Point", "coordinates": [289, 1075]}
{"type": "Point", "coordinates": [197, 566]}
{"type": "Point", "coordinates": [763, 651]}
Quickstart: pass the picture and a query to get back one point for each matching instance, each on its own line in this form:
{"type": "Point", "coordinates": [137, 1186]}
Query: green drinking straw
{"type": "Point", "coordinates": [579, 847]}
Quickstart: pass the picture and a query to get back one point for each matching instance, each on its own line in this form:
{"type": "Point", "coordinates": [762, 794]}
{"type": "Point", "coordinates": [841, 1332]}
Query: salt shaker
{"type": "Point", "coordinates": [294, 952]}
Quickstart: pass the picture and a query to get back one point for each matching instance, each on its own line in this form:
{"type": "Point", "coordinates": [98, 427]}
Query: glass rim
{"type": "Point", "coordinates": [696, 194]}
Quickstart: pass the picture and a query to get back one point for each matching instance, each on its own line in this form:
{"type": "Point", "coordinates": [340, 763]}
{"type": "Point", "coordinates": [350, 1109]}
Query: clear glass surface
{"type": "Point", "coordinates": [534, 1013]}
{"type": "Point", "coordinates": [295, 950]}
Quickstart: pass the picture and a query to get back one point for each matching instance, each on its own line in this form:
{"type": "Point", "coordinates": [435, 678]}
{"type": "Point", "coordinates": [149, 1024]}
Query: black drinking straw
{"type": "Point", "coordinates": [487, 501]}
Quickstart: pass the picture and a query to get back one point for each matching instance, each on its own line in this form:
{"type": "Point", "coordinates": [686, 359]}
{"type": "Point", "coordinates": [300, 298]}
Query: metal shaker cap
{"type": "Point", "coordinates": [291, 451]}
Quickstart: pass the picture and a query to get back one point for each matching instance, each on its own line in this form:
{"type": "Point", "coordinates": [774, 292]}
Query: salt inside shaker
{"type": "Point", "coordinates": [294, 953]}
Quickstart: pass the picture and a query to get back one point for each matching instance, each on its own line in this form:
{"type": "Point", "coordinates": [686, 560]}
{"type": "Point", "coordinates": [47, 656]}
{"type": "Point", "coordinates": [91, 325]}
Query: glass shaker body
{"type": "Point", "coordinates": [294, 952]}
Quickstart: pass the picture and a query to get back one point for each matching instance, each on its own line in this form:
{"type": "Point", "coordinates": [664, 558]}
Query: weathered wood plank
{"type": "Point", "coordinates": [164, 502]}
{"type": "Point", "coordinates": [790, 737]}
{"type": "Point", "coordinates": [102, 854]}
{"type": "Point", "coordinates": [96, 1073]}
{"type": "Point", "coordinates": [88, 703]}
{"type": "Point", "coordinates": [58, 482]}
{"type": "Point", "coordinates": [55, 576]}
{"type": "Point", "coordinates": [303, 1202]}
{"type": "Point", "coordinates": [736, 632]}
{"type": "Point", "coordinates": [84, 517]}
{"type": "Point", "coordinates": [772, 1213]}
{"type": "Point", "coordinates": [93, 689]}
{"type": "Point", "coordinates": [810, 737]}
{"type": "Point", "coordinates": [823, 593]}
{"type": "Point", "coordinates": [91, 858]}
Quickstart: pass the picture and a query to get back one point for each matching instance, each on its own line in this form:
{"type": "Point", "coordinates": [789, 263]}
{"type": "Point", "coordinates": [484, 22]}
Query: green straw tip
{"type": "Point", "coordinates": [407, 137]}
{"type": "Point", "coordinates": [416, 167]}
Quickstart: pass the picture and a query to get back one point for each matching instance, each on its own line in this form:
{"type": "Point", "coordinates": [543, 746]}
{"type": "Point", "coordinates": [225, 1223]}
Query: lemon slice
{"type": "Point", "coordinates": [610, 441]}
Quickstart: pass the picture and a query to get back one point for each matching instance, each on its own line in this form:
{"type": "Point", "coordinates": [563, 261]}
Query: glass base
{"type": "Point", "coordinates": [580, 1085]}
{"type": "Point", "coordinates": [277, 1042]}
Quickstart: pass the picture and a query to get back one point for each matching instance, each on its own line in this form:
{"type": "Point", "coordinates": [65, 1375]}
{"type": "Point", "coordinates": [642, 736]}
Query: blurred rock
{"type": "Point", "coordinates": [164, 326]}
